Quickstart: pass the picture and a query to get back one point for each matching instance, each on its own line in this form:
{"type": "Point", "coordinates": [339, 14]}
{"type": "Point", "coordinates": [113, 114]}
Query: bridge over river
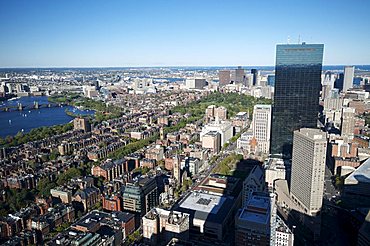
{"type": "Point", "coordinates": [35, 105]}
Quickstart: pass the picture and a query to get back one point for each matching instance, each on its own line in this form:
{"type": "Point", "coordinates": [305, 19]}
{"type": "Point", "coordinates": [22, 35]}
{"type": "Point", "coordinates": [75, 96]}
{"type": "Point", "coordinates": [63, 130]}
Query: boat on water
{"type": "Point", "coordinates": [14, 98]}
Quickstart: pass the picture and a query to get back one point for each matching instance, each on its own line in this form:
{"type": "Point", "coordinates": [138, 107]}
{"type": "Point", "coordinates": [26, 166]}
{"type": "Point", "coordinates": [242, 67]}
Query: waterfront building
{"type": "Point", "coordinates": [297, 90]}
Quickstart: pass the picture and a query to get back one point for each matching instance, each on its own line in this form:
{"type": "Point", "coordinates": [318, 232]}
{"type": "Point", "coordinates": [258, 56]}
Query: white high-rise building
{"type": "Point", "coordinates": [262, 126]}
{"type": "Point", "coordinates": [349, 73]}
{"type": "Point", "coordinates": [308, 169]}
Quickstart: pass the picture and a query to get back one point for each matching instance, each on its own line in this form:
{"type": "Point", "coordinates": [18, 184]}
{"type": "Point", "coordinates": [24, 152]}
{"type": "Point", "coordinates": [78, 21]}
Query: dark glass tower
{"type": "Point", "coordinates": [297, 89]}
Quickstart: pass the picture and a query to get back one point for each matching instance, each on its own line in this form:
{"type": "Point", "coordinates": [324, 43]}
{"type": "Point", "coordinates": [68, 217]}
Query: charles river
{"type": "Point", "coordinates": [15, 121]}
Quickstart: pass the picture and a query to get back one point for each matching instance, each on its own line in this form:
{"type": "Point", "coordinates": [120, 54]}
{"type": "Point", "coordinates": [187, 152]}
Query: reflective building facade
{"type": "Point", "coordinates": [297, 89]}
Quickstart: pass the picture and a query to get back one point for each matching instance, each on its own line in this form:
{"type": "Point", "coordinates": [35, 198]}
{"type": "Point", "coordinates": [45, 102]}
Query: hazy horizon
{"type": "Point", "coordinates": [177, 33]}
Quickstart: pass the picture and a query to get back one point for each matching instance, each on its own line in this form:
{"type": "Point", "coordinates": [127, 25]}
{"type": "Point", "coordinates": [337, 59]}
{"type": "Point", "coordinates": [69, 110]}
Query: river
{"type": "Point", "coordinates": [15, 121]}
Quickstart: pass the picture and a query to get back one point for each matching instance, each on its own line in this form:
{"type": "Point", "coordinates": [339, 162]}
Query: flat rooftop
{"type": "Point", "coordinates": [203, 202]}
{"type": "Point", "coordinates": [257, 210]}
{"type": "Point", "coordinates": [203, 206]}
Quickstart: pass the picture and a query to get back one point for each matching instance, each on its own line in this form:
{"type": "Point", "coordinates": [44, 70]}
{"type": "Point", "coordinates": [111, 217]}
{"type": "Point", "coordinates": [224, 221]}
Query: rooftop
{"type": "Point", "coordinates": [203, 206]}
{"type": "Point", "coordinates": [257, 210]}
{"type": "Point", "coordinates": [203, 202]}
{"type": "Point", "coordinates": [360, 175]}
{"type": "Point", "coordinates": [277, 164]}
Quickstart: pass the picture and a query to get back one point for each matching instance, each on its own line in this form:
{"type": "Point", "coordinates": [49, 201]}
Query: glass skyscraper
{"type": "Point", "coordinates": [297, 89]}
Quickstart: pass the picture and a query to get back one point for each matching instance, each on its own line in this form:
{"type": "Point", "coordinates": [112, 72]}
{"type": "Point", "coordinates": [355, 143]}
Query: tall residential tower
{"type": "Point", "coordinates": [308, 169]}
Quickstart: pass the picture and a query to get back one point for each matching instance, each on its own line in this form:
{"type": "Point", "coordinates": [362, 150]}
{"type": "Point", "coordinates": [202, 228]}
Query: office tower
{"type": "Point", "coordinates": [349, 72]}
{"type": "Point", "coordinates": [195, 83]}
{"type": "Point", "coordinates": [140, 196]}
{"type": "Point", "coordinates": [297, 91]}
{"type": "Point", "coordinates": [339, 81]}
{"type": "Point", "coordinates": [348, 122]}
{"type": "Point", "coordinates": [224, 77]}
{"type": "Point", "coordinates": [239, 75]}
{"type": "Point", "coordinates": [262, 126]}
{"type": "Point", "coordinates": [271, 80]}
{"type": "Point", "coordinates": [82, 124]}
{"type": "Point", "coordinates": [308, 169]}
{"type": "Point", "coordinates": [254, 73]}
{"type": "Point", "coordinates": [327, 84]}
{"type": "Point", "coordinates": [255, 223]}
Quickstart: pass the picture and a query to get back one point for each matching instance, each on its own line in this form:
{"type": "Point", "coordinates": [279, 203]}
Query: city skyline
{"type": "Point", "coordinates": [141, 34]}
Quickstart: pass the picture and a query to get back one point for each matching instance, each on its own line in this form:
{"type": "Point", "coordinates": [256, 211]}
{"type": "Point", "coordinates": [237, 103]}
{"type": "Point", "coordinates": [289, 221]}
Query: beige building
{"type": "Point", "coordinates": [212, 140]}
{"type": "Point", "coordinates": [221, 113]}
{"type": "Point", "coordinates": [81, 124]}
{"type": "Point", "coordinates": [348, 122]}
{"type": "Point", "coordinates": [161, 226]}
{"type": "Point", "coordinates": [261, 126]}
{"type": "Point", "coordinates": [308, 169]}
{"type": "Point", "coordinates": [210, 111]}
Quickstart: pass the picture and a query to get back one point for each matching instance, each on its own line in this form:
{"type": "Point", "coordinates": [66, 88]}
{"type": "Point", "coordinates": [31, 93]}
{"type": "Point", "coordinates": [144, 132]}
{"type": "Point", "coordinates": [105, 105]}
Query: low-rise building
{"type": "Point", "coordinates": [210, 215]}
{"type": "Point", "coordinates": [161, 226]}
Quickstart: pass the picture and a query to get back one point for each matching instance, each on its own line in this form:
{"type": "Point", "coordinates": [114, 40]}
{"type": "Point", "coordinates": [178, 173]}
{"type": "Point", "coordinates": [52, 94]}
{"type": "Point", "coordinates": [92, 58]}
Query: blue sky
{"type": "Point", "coordinates": [44, 33]}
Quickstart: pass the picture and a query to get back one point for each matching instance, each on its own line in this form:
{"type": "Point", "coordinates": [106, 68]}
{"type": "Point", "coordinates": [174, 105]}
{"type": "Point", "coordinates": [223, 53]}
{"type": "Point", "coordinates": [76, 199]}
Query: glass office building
{"type": "Point", "coordinates": [297, 89]}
